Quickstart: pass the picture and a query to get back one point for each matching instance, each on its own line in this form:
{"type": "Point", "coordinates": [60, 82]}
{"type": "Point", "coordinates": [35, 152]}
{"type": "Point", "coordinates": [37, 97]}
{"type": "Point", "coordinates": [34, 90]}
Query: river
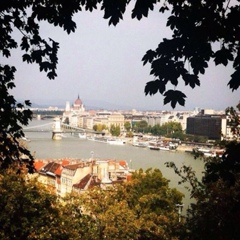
{"type": "Point", "coordinates": [43, 147]}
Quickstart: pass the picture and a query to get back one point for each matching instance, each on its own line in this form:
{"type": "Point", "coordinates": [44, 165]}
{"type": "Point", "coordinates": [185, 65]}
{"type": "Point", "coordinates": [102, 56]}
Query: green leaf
{"type": "Point", "coordinates": [69, 25]}
{"type": "Point", "coordinates": [51, 75]}
{"type": "Point", "coordinates": [191, 79]}
{"type": "Point", "coordinates": [174, 97]}
{"type": "Point", "coordinates": [234, 83]}
{"type": "Point", "coordinates": [222, 56]}
{"type": "Point", "coordinates": [198, 64]}
{"type": "Point", "coordinates": [27, 103]}
{"type": "Point", "coordinates": [11, 85]}
{"type": "Point", "coordinates": [163, 9]}
{"type": "Point", "coordinates": [142, 7]}
{"type": "Point", "coordinates": [20, 105]}
{"type": "Point", "coordinates": [25, 45]}
{"type": "Point", "coordinates": [37, 56]}
{"type": "Point", "coordinates": [149, 56]}
{"type": "Point", "coordinates": [6, 53]}
{"type": "Point", "coordinates": [114, 11]}
{"type": "Point", "coordinates": [45, 66]}
{"type": "Point", "coordinates": [91, 5]}
{"type": "Point", "coordinates": [153, 87]}
{"type": "Point", "coordinates": [27, 58]}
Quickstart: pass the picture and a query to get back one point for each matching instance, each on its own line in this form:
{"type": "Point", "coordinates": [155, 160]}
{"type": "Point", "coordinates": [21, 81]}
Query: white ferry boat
{"type": "Point", "coordinates": [115, 141]}
{"type": "Point", "coordinates": [140, 144]}
{"type": "Point", "coordinates": [82, 135]}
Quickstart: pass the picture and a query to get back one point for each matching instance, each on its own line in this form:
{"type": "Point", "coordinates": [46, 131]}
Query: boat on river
{"type": "Point", "coordinates": [108, 140]}
{"type": "Point", "coordinates": [100, 139]}
{"type": "Point", "coordinates": [164, 148]}
{"type": "Point", "coordinates": [154, 147]}
{"type": "Point", "coordinates": [82, 135]}
{"type": "Point", "coordinates": [161, 146]}
{"type": "Point", "coordinates": [115, 141]}
{"type": "Point", "coordinates": [140, 144]}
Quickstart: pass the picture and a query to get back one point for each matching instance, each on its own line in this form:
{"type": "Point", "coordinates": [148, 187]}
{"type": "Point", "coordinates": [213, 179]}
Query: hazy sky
{"type": "Point", "coordinates": [103, 65]}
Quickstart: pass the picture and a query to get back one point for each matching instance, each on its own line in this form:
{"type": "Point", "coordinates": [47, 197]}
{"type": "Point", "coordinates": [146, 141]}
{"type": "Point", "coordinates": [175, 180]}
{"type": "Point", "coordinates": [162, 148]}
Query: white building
{"type": "Point", "coordinates": [73, 114]}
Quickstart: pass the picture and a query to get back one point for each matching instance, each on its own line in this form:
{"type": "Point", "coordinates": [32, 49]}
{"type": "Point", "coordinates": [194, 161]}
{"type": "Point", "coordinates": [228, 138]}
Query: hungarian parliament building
{"type": "Point", "coordinates": [75, 115]}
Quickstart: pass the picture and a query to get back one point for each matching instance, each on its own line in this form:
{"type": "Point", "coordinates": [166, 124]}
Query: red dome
{"type": "Point", "coordinates": [78, 101]}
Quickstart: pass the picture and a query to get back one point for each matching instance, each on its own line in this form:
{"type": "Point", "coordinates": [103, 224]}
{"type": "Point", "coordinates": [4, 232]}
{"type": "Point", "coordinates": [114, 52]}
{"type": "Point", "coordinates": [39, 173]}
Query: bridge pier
{"type": "Point", "coordinates": [57, 131]}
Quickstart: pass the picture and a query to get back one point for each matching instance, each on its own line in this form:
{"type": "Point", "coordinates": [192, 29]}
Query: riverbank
{"type": "Point", "coordinates": [180, 148]}
{"type": "Point", "coordinates": [184, 148]}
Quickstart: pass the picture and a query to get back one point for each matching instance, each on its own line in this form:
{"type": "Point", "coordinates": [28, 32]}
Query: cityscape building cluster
{"type": "Point", "coordinates": [76, 116]}
{"type": "Point", "coordinates": [207, 122]}
{"type": "Point", "coordinates": [64, 176]}
{"type": "Point", "coordinates": [204, 123]}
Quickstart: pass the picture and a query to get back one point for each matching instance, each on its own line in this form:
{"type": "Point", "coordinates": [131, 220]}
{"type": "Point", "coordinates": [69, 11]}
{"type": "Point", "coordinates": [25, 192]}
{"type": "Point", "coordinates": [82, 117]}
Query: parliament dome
{"type": "Point", "coordinates": [78, 102]}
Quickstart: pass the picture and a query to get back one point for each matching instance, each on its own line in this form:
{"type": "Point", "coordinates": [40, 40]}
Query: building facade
{"type": "Point", "coordinates": [73, 114]}
{"type": "Point", "coordinates": [211, 126]}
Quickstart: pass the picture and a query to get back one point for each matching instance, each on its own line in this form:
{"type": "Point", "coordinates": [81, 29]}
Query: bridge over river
{"type": "Point", "coordinates": [65, 128]}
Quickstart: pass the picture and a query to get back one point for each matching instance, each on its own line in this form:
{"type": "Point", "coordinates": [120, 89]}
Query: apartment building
{"type": "Point", "coordinates": [72, 174]}
{"type": "Point", "coordinates": [211, 126]}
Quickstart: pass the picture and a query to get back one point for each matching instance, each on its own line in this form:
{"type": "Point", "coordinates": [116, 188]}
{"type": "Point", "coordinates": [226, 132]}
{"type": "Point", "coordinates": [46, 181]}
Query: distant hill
{"type": "Point", "coordinates": [89, 104]}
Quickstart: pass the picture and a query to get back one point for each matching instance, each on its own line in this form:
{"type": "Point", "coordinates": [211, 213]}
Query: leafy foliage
{"type": "Point", "coordinates": [216, 211]}
{"type": "Point", "coordinates": [168, 129]}
{"type": "Point", "coordinates": [127, 126]}
{"type": "Point", "coordinates": [115, 130]}
{"type": "Point", "coordinates": [233, 121]}
{"type": "Point", "coordinates": [196, 26]}
{"type": "Point", "coordinates": [29, 210]}
{"type": "Point", "coordinates": [143, 208]}
{"type": "Point", "coordinates": [99, 127]}
{"type": "Point", "coordinates": [13, 116]}
{"type": "Point", "coordinates": [141, 126]}
{"type": "Point", "coordinates": [216, 214]}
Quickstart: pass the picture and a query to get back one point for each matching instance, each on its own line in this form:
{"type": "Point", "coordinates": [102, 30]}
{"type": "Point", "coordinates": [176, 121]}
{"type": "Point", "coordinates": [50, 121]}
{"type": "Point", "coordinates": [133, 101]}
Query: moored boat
{"type": "Point", "coordinates": [164, 148]}
{"type": "Point", "coordinates": [154, 147]}
{"type": "Point", "coordinates": [115, 141]}
{"type": "Point", "coordinates": [140, 144]}
{"type": "Point", "coordinates": [82, 135]}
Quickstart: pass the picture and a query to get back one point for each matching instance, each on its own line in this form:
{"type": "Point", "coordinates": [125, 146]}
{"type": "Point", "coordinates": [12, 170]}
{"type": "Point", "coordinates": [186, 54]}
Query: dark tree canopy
{"type": "Point", "coordinates": [201, 31]}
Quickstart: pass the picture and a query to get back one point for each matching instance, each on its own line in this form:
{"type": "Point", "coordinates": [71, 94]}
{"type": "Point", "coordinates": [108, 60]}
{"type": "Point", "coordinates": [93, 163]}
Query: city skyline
{"type": "Point", "coordinates": [103, 65]}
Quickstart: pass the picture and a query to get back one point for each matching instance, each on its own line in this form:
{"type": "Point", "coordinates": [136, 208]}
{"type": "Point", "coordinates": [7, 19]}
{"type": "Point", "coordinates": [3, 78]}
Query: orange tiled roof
{"type": "Point", "coordinates": [58, 171]}
{"type": "Point", "coordinates": [38, 164]}
{"type": "Point", "coordinates": [122, 163]}
{"type": "Point", "coordinates": [50, 167]}
{"type": "Point", "coordinates": [65, 162]}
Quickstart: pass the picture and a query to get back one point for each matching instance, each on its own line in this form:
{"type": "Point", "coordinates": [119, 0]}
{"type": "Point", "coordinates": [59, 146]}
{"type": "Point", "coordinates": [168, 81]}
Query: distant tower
{"type": "Point", "coordinates": [106, 182]}
{"type": "Point", "coordinates": [68, 107]}
{"type": "Point", "coordinates": [57, 131]}
{"type": "Point", "coordinates": [78, 105]}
